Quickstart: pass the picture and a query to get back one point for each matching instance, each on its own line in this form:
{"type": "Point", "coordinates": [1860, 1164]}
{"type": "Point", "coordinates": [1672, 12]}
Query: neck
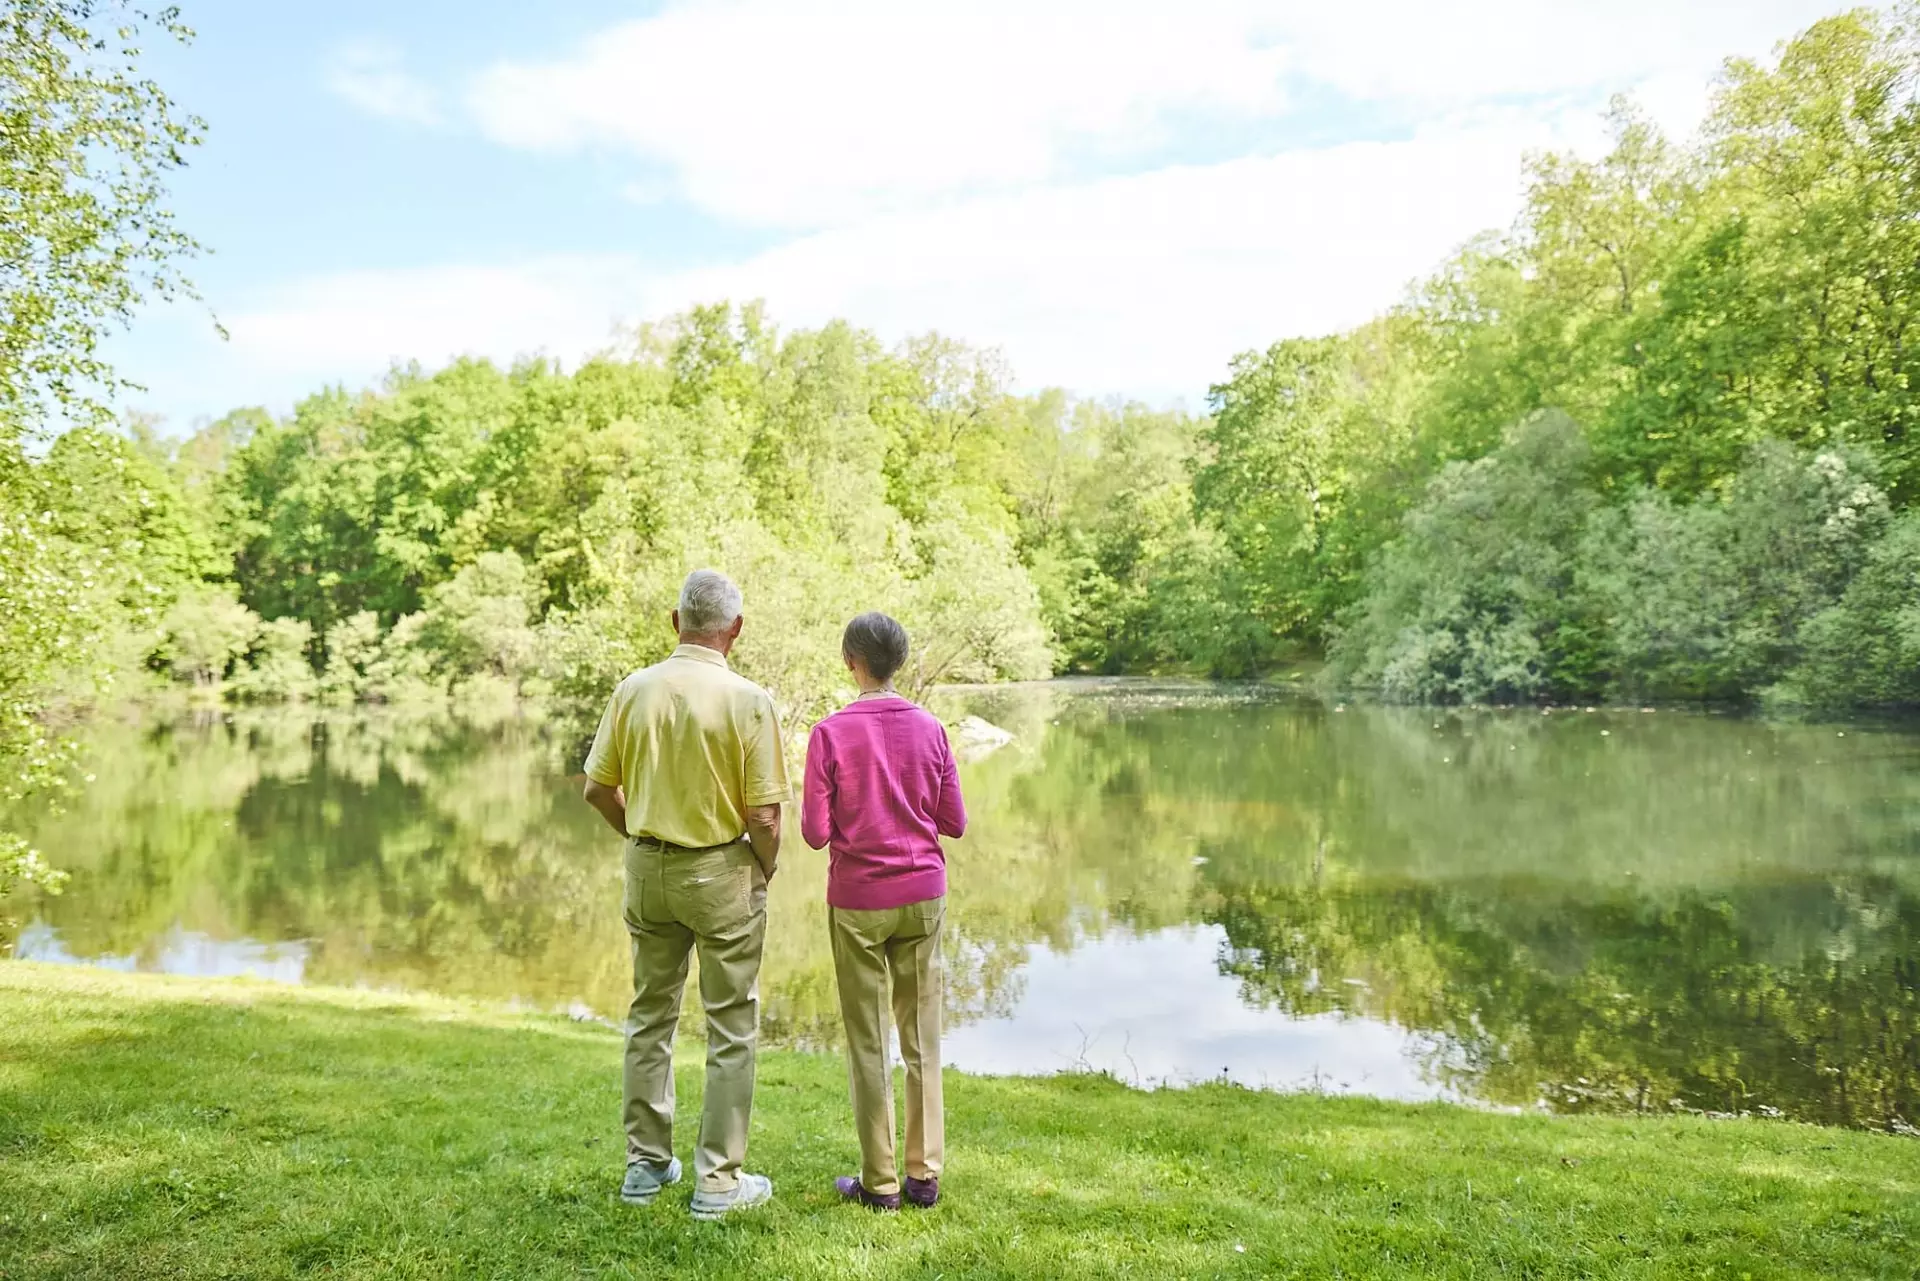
{"type": "Point", "coordinates": [868, 685]}
{"type": "Point", "coordinates": [718, 642]}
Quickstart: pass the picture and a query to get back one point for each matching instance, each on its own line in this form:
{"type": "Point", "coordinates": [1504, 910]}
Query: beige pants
{"type": "Point", "coordinates": [677, 900]}
{"type": "Point", "coordinates": [869, 948]}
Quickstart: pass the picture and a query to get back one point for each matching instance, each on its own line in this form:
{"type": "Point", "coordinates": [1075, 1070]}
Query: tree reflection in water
{"type": "Point", "coordinates": [1582, 911]}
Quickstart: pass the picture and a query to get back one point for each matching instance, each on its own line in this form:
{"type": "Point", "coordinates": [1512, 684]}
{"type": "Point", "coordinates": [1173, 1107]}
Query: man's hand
{"type": "Point", "coordinates": [763, 831]}
{"type": "Point", "coordinates": [611, 802]}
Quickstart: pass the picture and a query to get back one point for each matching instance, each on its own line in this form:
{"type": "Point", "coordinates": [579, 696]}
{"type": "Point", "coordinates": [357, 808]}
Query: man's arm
{"type": "Point", "coordinates": [611, 802]}
{"type": "Point", "coordinates": [763, 830]}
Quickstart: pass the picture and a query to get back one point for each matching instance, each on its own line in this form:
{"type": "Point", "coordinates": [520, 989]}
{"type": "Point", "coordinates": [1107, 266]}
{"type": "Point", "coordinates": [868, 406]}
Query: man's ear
{"type": "Point", "coordinates": [733, 633]}
{"type": "Point", "coordinates": [676, 622]}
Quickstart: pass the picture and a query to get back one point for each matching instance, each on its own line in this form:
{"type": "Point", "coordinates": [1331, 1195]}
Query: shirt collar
{"type": "Point", "coordinates": [892, 703]}
{"type": "Point", "coordinates": [701, 654]}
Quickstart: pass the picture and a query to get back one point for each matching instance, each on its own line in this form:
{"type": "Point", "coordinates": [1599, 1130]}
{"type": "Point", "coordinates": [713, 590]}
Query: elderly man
{"type": "Point", "coordinates": [687, 765]}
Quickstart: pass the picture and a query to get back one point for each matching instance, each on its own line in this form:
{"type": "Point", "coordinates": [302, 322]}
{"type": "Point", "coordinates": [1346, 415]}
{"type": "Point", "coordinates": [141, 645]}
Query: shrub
{"type": "Point", "coordinates": [1473, 601]}
{"type": "Point", "coordinates": [206, 631]}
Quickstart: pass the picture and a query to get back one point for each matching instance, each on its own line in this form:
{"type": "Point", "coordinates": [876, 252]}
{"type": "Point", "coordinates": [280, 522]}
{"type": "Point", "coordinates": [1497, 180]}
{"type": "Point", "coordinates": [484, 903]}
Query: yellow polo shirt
{"type": "Point", "coordinates": [694, 744]}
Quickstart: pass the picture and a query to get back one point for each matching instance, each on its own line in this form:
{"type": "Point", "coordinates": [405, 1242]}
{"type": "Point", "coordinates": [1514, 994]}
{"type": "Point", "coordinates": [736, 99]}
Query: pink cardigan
{"type": "Point", "coordinates": [881, 790]}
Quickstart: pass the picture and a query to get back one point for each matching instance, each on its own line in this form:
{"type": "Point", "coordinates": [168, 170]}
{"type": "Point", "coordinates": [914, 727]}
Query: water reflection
{"type": "Point", "coordinates": [177, 951]}
{"type": "Point", "coordinates": [1578, 911]}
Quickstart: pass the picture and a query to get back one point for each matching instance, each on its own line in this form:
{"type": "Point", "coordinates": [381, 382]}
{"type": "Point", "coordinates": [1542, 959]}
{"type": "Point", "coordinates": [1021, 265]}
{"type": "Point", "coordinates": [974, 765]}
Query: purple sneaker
{"type": "Point", "coordinates": [924, 1193]}
{"type": "Point", "coordinates": [849, 1189]}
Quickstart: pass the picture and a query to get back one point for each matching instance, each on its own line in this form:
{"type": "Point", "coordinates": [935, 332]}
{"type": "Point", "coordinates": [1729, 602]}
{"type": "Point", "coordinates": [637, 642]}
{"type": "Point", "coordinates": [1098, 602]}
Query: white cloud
{"type": "Point", "coordinates": [1148, 284]}
{"type": "Point", "coordinates": [1455, 51]}
{"type": "Point", "coordinates": [820, 112]}
{"type": "Point", "coordinates": [1142, 285]}
{"type": "Point", "coordinates": [933, 157]}
{"type": "Point", "coordinates": [814, 111]}
{"type": "Point", "coordinates": [372, 78]}
{"type": "Point", "coordinates": [354, 324]}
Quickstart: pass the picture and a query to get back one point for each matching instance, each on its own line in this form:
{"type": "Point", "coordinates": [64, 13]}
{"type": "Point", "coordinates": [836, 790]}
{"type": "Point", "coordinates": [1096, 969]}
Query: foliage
{"type": "Point", "coordinates": [1864, 649]}
{"type": "Point", "coordinates": [87, 144]}
{"type": "Point", "coordinates": [533, 526]}
{"type": "Point", "coordinates": [1473, 603]}
{"type": "Point", "coordinates": [1728, 320]}
{"type": "Point", "coordinates": [1710, 599]}
{"type": "Point", "coordinates": [477, 621]}
{"type": "Point", "coordinates": [1638, 445]}
{"type": "Point", "coordinates": [1513, 581]}
{"type": "Point", "coordinates": [41, 589]}
{"type": "Point", "coordinates": [205, 632]}
{"type": "Point", "coordinates": [277, 668]}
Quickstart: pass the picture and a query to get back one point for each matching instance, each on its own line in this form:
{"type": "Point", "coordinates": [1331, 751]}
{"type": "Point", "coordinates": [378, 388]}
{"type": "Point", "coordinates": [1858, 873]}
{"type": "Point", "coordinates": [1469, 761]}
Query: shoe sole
{"type": "Point", "coordinates": [647, 1198]}
{"type": "Point", "coordinates": [713, 1214]}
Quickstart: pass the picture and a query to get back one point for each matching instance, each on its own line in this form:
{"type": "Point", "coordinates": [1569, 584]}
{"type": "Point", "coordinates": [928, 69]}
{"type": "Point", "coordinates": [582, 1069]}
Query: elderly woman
{"type": "Point", "coordinates": [881, 790]}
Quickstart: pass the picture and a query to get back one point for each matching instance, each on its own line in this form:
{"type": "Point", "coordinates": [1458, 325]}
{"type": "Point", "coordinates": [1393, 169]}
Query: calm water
{"type": "Point", "coordinates": [1576, 911]}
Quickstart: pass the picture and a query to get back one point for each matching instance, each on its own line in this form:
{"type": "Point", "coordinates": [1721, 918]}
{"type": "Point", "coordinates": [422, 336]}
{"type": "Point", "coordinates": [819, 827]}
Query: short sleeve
{"type": "Point", "coordinates": [766, 782]}
{"type": "Point", "coordinates": [603, 758]}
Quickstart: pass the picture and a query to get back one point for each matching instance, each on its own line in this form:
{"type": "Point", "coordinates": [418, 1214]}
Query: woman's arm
{"type": "Point", "coordinates": [950, 815]}
{"type": "Point", "coordinates": [816, 792]}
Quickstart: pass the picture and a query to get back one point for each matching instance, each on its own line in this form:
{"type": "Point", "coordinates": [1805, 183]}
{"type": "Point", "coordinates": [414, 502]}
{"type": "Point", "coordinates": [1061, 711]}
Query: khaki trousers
{"type": "Point", "coordinates": [901, 944]}
{"type": "Point", "coordinates": [676, 900]}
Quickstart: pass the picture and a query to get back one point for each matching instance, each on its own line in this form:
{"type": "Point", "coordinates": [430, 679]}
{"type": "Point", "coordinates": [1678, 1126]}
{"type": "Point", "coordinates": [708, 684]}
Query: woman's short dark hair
{"type": "Point", "coordinates": [878, 642]}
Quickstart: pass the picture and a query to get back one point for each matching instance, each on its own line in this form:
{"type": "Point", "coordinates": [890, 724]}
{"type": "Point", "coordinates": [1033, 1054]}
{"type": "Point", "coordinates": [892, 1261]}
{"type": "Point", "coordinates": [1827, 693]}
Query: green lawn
{"type": "Point", "coordinates": [169, 1128]}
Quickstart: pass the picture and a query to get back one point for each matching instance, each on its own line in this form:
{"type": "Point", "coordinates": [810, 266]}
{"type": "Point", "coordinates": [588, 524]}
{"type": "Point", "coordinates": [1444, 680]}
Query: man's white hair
{"type": "Point", "coordinates": [709, 602]}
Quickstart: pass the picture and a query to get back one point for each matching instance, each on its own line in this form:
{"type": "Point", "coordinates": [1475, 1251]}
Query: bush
{"type": "Point", "coordinates": [1474, 602]}
{"type": "Point", "coordinates": [402, 670]}
{"type": "Point", "coordinates": [352, 647]}
{"type": "Point", "coordinates": [278, 670]}
{"type": "Point", "coordinates": [1865, 650]}
{"type": "Point", "coordinates": [1512, 581]}
{"type": "Point", "coordinates": [477, 621]}
{"type": "Point", "coordinates": [206, 631]}
{"type": "Point", "coordinates": [1712, 599]}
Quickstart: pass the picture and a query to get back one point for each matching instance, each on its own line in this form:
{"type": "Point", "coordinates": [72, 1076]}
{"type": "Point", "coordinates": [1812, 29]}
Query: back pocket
{"type": "Point", "coordinates": [713, 891]}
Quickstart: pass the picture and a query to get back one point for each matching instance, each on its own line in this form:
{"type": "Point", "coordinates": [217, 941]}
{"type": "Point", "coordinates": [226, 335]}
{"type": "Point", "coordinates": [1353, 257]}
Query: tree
{"type": "Point", "coordinates": [40, 623]}
{"type": "Point", "coordinates": [87, 144]}
{"type": "Point", "coordinates": [278, 669]}
{"type": "Point", "coordinates": [1473, 602]}
{"type": "Point", "coordinates": [478, 620]}
{"type": "Point", "coordinates": [206, 631]}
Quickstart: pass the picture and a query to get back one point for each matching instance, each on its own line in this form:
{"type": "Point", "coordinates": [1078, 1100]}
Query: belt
{"type": "Point", "coordinates": [668, 847]}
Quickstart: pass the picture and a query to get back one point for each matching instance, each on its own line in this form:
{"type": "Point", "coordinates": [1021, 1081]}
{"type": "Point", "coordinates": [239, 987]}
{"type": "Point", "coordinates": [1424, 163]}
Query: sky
{"type": "Point", "coordinates": [1118, 196]}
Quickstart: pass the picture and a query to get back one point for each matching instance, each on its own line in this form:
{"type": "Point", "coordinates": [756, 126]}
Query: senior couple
{"type": "Point", "coordinates": [688, 767]}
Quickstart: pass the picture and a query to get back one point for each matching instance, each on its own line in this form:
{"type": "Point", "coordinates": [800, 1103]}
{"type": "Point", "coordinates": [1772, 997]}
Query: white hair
{"type": "Point", "coordinates": [709, 602]}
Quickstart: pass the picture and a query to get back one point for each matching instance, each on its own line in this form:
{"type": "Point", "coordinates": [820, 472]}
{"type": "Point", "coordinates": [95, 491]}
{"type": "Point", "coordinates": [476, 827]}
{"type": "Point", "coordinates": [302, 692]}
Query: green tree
{"type": "Point", "coordinates": [86, 146]}
{"type": "Point", "coordinates": [278, 668]}
{"type": "Point", "coordinates": [207, 630]}
{"type": "Point", "coordinates": [1474, 602]}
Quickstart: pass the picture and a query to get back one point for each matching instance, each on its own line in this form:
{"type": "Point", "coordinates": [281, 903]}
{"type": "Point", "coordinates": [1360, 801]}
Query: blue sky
{"type": "Point", "coordinates": [1118, 195]}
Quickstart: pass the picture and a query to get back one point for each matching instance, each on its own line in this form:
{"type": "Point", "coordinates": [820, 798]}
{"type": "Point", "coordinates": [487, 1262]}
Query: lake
{"type": "Point", "coordinates": [1572, 911]}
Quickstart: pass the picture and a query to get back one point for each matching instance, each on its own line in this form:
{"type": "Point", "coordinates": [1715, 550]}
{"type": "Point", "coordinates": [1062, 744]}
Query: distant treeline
{"type": "Point", "coordinates": [1656, 441]}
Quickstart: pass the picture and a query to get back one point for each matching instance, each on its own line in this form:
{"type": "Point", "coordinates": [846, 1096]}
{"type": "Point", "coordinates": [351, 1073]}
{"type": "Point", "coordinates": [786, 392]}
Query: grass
{"type": "Point", "coordinates": [157, 1127]}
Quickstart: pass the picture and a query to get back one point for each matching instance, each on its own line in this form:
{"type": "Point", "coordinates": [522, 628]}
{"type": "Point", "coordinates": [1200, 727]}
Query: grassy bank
{"type": "Point", "coordinates": [168, 1128]}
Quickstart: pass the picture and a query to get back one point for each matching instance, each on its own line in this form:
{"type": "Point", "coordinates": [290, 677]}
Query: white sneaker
{"type": "Point", "coordinates": [643, 1182]}
{"type": "Point", "coordinates": [751, 1190]}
